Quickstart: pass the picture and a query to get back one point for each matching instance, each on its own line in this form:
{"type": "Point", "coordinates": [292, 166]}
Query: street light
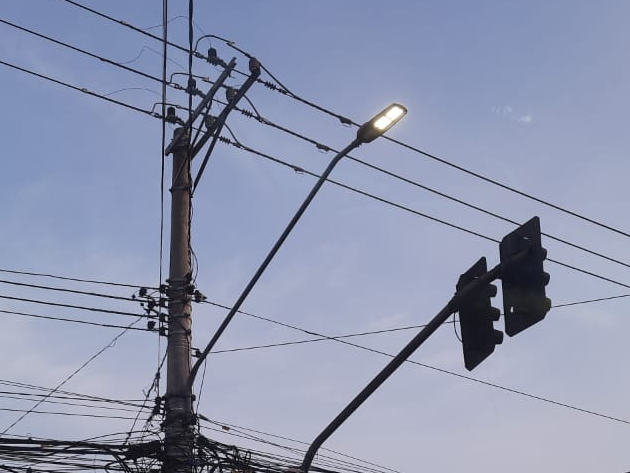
{"type": "Point", "coordinates": [368, 132]}
{"type": "Point", "coordinates": [381, 123]}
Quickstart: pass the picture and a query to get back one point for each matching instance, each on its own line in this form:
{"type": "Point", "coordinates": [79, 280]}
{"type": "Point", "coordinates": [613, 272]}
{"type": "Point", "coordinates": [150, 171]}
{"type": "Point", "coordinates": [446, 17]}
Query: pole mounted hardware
{"type": "Point", "coordinates": [215, 126]}
{"type": "Point", "coordinates": [180, 132]}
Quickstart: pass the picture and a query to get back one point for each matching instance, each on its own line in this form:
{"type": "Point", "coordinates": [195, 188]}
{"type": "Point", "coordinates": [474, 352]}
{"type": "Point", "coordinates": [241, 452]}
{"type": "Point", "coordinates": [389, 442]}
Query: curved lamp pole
{"type": "Point", "coordinates": [368, 132]}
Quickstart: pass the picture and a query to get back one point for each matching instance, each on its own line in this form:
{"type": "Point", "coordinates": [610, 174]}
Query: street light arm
{"type": "Point", "coordinates": [263, 266]}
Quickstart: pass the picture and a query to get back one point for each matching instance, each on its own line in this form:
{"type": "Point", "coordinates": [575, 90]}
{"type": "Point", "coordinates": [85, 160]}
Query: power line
{"type": "Point", "coordinates": [87, 53]}
{"type": "Point", "coordinates": [165, 22]}
{"type": "Point", "coordinates": [72, 306]}
{"type": "Point", "coordinates": [71, 375]}
{"type": "Point", "coordinates": [345, 120]}
{"type": "Point", "coordinates": [72, 414]}
{"type": "Point", "coordinates": [377, 332]}
{"type": "Point", "coordinates": [76, 321]}
{"type": "Point", "coordinates": [431, 367]}
{"type": "Point", "coordinates": [66, 278]}
{"type": "Point", "coordinates": [301, 170]}
{"type": "Point", "coordinates": [280, 437]}
{"type": "Point", "coordinates": [79, 89]}
{"type": "Point", "coordinates": [59, 393]}
{"type": "Point", "coordinates": [285, 91]}
{"type": "Point", "coordinates": [130, 26]}
{"type": "Point", "coordinates": [319, 145]}
{"type": "Point", "coordinates": [29, 397]}
{"type": "Point", "coordinates": [324, 147]}
{"type": "Point", "coordinates": [508, 188]}
{"type": "Point", "coordinates": [72, 291]}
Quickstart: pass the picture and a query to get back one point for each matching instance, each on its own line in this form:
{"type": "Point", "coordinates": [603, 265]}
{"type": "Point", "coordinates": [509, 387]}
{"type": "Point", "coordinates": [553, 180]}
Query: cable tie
{"type": "Point", "coordinates": [322, 147]}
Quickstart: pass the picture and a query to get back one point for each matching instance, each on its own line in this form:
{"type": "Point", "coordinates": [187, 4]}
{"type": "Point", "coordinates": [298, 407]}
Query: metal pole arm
{"type": "Point", "coordinates": [451, 307]}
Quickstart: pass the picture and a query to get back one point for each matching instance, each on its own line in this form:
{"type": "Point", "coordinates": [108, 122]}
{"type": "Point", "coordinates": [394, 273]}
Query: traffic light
{"type": "Point", "coordinates": [524, 300]}
{"type": "Point", "coordinates": [476, 317]}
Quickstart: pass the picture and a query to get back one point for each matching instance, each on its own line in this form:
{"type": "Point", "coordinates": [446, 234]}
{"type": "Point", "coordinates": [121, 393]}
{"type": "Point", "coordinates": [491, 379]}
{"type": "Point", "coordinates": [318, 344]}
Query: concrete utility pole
{"type": "Point", "coordinates": [178, 440]}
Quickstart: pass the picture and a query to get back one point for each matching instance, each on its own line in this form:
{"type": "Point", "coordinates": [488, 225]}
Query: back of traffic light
{"type": "Point", "coordinates": [525, 302]}
{"type": "Point", "coordinates": [476, 317]}
{"type": "Point", "coordinates": [523, 278]}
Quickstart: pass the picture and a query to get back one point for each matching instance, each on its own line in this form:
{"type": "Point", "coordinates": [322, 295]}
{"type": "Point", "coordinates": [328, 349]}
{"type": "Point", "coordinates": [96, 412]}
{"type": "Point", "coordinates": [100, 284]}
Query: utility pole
{"type": "Point", "coordinates": [178, 420]}
{"type": "Point", "coordinates": [178, 426]}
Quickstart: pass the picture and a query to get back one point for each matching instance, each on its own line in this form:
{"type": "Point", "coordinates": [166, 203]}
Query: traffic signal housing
{"type": "Point", "coordinates": [476, 317]}
{"type": "Point", "coordinates": [523, 278]}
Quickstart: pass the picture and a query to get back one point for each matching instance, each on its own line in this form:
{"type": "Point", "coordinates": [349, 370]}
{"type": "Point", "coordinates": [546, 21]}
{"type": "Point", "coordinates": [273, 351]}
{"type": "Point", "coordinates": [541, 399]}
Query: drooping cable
{"type": "Point", "coordinates": [111, 344]}
{"type": "Point", "coordinates": [435, 368]}
{"type": "Point", "coordinates": [78, 89]}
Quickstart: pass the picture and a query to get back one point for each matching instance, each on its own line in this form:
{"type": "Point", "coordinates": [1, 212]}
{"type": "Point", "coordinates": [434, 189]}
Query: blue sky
{"type": "Point", "coordinates": [531, 94]}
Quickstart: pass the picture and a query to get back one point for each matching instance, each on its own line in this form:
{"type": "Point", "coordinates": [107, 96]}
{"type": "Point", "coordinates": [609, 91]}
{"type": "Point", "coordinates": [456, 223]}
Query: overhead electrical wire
{"type": "Point", "coordinates": [162, 186]}
{"type": "Point", "coordinates": [71, 306]}
{"type": "Point", "coordinates": [70, 394]}
{"type": "Point", "coordinates": [379, 332]}
{"type": "Point", "coordinates": [76, 321]}
{"type": "Point", "coordinates": [66, 278]}
{"type": "Point", "coordinates": [29, 397]}
{"type": "Point", "coordinates": [79, 89]}
{"type": "Point", "coordinates": [70, 376]}
{"type": "Point", "coordinates": [298, 135]}
{"type": "Point", "coordinates": [321, 146]}
{"type": "Point", "coordinates": [280, 437]}
{"type": "Point", "coordinates": [325, 147]}
{"type": "Point", "coordinates": [432, 367]}
{"type": "Point", "coordinates": [61, 413]}
{"type": "Point", "coordinates": [285, 91]}
{"type": "Point", "coordinates": [72, 291]}
{"type": "Point", "coordinates": [434, 157]}
{"type": "Point", "coordinates": [301, 170]}
{"type": "Point", "coordinates": [84, 52]}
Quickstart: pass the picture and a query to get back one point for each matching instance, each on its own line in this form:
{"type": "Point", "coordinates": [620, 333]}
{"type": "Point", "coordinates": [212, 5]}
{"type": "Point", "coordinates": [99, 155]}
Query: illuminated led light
{"type": "Point", "coordinates": [381, 123]}
{"type": "Point", "coordinates": [394, 112]}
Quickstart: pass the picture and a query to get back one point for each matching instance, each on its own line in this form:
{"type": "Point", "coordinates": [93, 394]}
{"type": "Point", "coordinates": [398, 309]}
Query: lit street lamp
{"type": "Point", "coordinates": [368, 132]}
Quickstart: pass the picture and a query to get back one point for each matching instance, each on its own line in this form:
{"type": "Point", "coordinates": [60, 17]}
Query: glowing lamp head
{"type": "Point", "coordinates": [382, 122]}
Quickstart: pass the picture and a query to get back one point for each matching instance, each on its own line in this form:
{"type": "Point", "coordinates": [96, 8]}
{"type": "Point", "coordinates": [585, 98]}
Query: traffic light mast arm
{"type": "Point", "coordinates": [450, 308]}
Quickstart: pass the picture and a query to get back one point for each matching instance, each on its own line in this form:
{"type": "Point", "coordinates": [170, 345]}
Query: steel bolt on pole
{"type": "Point", "coordinates": [178, 438]}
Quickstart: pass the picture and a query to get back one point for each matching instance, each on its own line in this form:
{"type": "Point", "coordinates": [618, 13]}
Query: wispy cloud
{"type": "Point", "coordinates": [508, 112]}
